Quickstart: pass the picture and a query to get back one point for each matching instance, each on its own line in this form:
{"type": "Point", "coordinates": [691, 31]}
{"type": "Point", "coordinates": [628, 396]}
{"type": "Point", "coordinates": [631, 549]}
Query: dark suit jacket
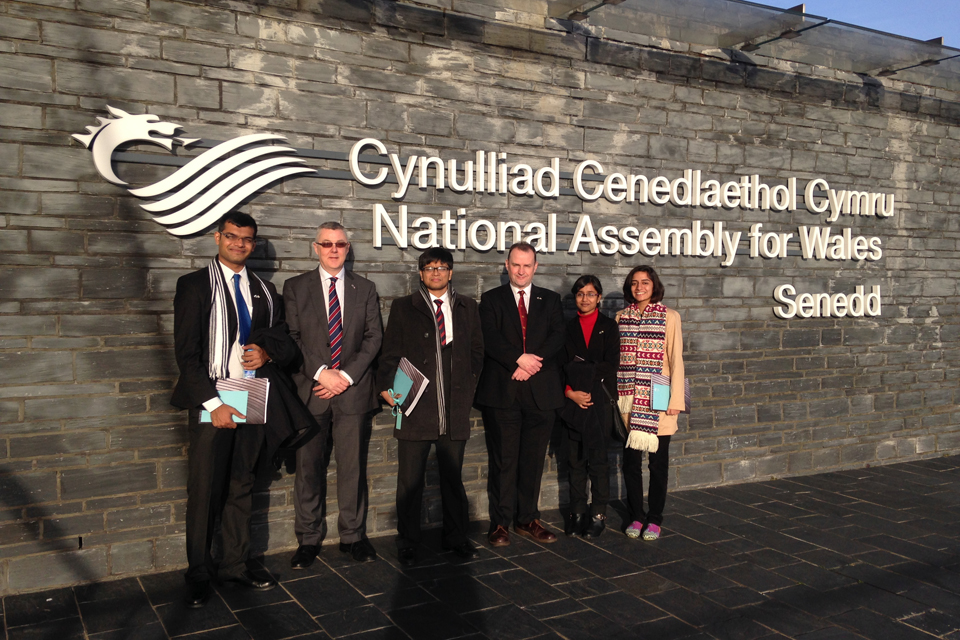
{"type": "Point", "coordinates": [503, 344]}
{"type": "Point", "coordinates": [191, 329]}
{"type": "Point", "coordinates": [411, 334]}
{"type": "Point", "coordinates": [362, 335]}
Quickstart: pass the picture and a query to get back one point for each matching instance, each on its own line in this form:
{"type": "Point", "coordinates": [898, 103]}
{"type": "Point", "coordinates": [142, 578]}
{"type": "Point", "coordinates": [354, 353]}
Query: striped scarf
{"type": "Point", "coordinates": [441, 383]}
{"type": "Point", "coordinates": [219, 333]}
{"type": "Point", "coordinates": [642, 340]}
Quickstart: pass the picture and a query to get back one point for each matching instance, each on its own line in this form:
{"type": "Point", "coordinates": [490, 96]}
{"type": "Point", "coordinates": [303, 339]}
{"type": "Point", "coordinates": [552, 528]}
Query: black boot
{"type": "Point", "coordinates": [595, 527]}
{"type": "Point", "coordinates": [575, 523]}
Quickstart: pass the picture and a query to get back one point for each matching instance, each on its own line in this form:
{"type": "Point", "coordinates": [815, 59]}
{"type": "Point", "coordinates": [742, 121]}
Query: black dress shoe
{"type": "Point", "coordinates": [595, 528]}
{"type": "Point", "coordinates": [252, 579]}
{"type": "Point", "coordinates": [361, 550]}
{"type": "Point", "coordinates": [408, 556]}
{"type": "Point", "coordinates": [197, 594]}
{"type": "Point", "coordinates": [576, 522]}
{"type": "Point", "coordinates": [463, 550]}
{"type": "Point", "coordinates": [304, 556]}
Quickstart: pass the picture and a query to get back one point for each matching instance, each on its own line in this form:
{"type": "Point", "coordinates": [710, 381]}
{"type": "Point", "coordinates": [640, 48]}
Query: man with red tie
{"type": "Point", "coordinates": [520, 391]}
{"type": "Point", "coordinates": [334, 316]}
{"type": "Point", "coordinates": [438, 331]}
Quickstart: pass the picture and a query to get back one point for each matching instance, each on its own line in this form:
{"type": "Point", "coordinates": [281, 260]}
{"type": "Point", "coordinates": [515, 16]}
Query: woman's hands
{"type": "Point", "coordinates": [582, 398]}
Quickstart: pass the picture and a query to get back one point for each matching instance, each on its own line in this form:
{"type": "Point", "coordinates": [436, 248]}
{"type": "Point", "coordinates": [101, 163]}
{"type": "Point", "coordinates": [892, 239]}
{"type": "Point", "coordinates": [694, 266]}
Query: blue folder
{"type": "Point", "coordinates": [236, 399]}
{"type": "Point", "coordinates": [659, 396]}
{"type": "Point", "coordinates": [401, 387]}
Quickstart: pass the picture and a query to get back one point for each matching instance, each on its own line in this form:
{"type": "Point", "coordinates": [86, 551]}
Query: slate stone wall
{"type": "Point", "coordinates": [90, 448]}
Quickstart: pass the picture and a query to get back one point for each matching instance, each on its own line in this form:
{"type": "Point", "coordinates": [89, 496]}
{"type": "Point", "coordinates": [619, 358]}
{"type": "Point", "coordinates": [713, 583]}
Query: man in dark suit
{"type": "Point", "coordinates": [215, 311]}
{"type": "Point", "coordinates": [520, 391]}
{"type": "Point", "coordinates": [334, 316]}
{"type": "Point", "coordinates": [438, 331]}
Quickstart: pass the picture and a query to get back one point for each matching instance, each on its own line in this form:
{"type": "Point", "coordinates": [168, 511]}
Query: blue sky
{"type": "Point", "coordinates": [920, 19]}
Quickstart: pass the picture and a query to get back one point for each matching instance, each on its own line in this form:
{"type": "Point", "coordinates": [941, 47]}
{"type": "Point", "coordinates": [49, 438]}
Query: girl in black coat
{"type": "Point", "coordinates": [593, 355]}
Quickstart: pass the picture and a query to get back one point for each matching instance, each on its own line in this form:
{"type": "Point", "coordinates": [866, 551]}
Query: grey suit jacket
{"type": "Point", "coordinates": [362, 334]}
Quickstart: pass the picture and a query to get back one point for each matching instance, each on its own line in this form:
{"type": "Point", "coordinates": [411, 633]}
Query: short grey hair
{"type": "Point", "coordinates": [333, 225]}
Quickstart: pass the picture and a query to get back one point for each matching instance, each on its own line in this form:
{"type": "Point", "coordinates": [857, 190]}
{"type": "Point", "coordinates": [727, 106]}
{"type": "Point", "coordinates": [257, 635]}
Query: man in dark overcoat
{"type": "Point", "coordinates": [438, 331]}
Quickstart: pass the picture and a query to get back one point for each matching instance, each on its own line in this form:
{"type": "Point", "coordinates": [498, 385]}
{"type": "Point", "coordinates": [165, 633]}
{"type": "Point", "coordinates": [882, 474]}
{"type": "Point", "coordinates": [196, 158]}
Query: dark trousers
{"type": "Point", "coordinates": [586, 462]}
{"type": "Point", "coordinates": [411, 470]}
{"type": "Point", "coordinates": [518, 439]}
{"type": "Point", "coordinates": [221, 471]}
{"type": "Point", "coordinates": [659, 464]}
{"type": "Point", "coordinates": [350, 433]}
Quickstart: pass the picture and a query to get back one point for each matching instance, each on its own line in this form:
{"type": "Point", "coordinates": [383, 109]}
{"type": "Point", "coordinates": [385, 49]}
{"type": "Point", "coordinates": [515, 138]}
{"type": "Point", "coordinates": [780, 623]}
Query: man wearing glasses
{"type": "Point", "coordinates": [334, 316]}
{"type": "Point", "coordinates": [215, 311]}
{"type": "Point", "coordinates": [438, 331]}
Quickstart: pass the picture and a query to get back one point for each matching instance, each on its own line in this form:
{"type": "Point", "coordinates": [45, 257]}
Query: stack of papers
{"type": "Point", "coordinates": [246, 395]}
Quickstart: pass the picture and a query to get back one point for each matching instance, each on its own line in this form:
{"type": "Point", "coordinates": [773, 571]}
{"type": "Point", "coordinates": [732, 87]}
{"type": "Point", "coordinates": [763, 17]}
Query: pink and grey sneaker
{"type": "Point", "coordinates": [633, 531]}
{"type": "Point", "coordinates": [652, 532]}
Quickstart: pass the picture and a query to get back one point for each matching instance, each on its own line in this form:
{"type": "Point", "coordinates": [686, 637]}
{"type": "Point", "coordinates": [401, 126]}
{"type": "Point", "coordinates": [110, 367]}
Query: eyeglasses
{"type": "Point", "coordinates": [326, 244]}
{"type": "Point", "coordinates": [443, 269]}
{"type": "Point", "coordinates": [590, 296]}
{"type": "Point", "coordinates": [229, 237]}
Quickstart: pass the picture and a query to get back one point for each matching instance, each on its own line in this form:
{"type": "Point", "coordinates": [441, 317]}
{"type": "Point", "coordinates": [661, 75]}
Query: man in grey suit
{"type": "Point", "coordinates": [334, 316]}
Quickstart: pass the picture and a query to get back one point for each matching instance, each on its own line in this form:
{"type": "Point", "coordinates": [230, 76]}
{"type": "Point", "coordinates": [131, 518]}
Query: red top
{"type": "Point", "coordinates": [586, 324]}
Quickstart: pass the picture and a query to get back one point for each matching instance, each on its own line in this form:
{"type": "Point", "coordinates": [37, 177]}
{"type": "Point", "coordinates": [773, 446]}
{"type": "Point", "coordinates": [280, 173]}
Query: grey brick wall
{"type": "Point", "coordinates": [90, 447]}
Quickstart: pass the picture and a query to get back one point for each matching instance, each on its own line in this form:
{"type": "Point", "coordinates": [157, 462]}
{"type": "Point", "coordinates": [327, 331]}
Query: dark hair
{"type": "Point", "coordinates": [522, 246]}
{"type": "Point", "coordinates": [583, 281]}
{"type": "Point", "coordinates": [657, 285]}
{"type": "Point", "coordinates": [238, 219]}
{"type": "Point", "coordinates": [435, 254]}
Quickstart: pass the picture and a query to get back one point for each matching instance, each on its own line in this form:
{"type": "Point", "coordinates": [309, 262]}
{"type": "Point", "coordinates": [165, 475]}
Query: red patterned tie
{"type": "Point", "coordinates": [523, 319]}
{"type": "Point", "coordinates": [441, 324]}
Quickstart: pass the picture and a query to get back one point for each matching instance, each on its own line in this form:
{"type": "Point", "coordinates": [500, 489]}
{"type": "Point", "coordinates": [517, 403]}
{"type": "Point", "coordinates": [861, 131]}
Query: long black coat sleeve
{"type": "Point", "coordinates": [191, 320]}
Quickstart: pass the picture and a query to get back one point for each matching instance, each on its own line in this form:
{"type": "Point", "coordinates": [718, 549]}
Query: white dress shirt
{"type": "Point", "coordinates": [447, 314]}
{"type": "Point", "coordinates": [526, 296]}
{"type": "Point", "coordinates": [234, 360]}
{"type": "Point", "coordinates": [325, 277]}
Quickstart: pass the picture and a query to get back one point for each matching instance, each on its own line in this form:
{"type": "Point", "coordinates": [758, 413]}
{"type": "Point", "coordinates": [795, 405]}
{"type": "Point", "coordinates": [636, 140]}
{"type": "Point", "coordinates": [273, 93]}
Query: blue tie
{"type": "Point", "coordinates": [243, 314]}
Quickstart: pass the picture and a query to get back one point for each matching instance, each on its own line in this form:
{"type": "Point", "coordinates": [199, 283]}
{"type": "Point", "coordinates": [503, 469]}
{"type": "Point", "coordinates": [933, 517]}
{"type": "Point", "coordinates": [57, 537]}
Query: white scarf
{"type": "Point", "coordinates": [219, 333]}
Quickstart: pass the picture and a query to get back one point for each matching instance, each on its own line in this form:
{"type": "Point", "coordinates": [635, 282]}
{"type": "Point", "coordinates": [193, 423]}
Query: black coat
{"type": "Point", "coordinates": [503, 344]}
{"type": "Point", "coordinates": [599, 362]}
{"type": "Point", "coordinates": [191, 326]}
{"type": "Point", "coordinates": [410, 333]}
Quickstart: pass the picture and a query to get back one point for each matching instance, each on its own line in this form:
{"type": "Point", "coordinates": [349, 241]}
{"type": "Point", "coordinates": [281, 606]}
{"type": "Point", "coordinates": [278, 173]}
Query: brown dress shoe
{"type": "Point", "coordinates": [499, 537]}
{"type": "Point", "coordinates": [535, 531]}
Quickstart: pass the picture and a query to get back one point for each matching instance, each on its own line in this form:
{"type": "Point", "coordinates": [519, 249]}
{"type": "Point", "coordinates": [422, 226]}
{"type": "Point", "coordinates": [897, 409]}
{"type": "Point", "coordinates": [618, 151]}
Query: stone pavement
{"type": "Point", "coordinates": [871, 553]}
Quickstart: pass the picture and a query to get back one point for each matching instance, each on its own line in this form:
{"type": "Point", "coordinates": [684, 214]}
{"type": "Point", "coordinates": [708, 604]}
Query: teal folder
{"type": "Point", "coordinates": [401, 387]}
{"type": "Point", "coordinates": [236, 399]}
{"type": "Point", "coordinates": [660, 397]}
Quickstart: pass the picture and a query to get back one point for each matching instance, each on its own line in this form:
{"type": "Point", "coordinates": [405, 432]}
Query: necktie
{"type": "Point", "coordinates": [243, 314]}
{"type": "Point", "coordinates": [335, 322]}
{"type": "Point", "coordinates": [441, 323]}
{"type": "Point", "coordinates": [523, 319]}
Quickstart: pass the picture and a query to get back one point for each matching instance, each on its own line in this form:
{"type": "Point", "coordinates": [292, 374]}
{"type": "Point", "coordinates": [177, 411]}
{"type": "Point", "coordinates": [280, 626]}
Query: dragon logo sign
{"type": "Point", "coordinates": [197, 194]}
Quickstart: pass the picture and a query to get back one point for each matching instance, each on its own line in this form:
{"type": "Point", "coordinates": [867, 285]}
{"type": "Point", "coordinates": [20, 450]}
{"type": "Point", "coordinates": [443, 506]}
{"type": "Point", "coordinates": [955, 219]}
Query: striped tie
{"type": "Point", "coordinates": [441, 324]}
{"type": "Point", "coordinates": [335, 322]}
